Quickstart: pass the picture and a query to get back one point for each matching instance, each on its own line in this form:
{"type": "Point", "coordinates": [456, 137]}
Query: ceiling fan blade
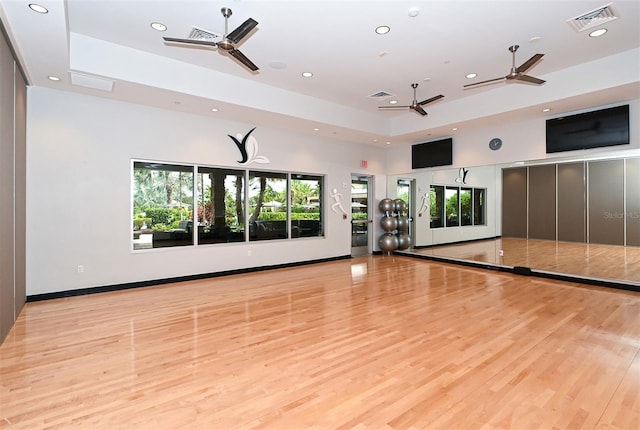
{"type": "Point", "coordinates": [432, 99]}
{"type": "Point", "coordinates": [530, 62]}
{"type": "Point", "coordinates": [531, 79]}
{"type": "Point", "coordinates": [419, 109]}
{"type": "Point", "coordinates": [190, 41]}
{"type": "Point", "coordinates": [484, 82]}
{"type": "Point", "coordinates": [239, 33]}
{"type": "Point", "coordinates": [243, 59]}
{"type": "Point", "coordinates": [393, 107]}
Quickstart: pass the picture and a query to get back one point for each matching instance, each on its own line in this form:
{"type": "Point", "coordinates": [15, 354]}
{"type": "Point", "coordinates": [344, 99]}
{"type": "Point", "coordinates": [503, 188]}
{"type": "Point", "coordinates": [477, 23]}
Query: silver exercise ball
{"type": "Point", "coordinates": [386, 205]}
{"type": "Point", "coordinates": [389, 223]}
{"type": "Point", "coordinates": [404, 241]}
{"type": "Point", "coordinates": [403, 224]}
{"type": "Point", "coordinates": [400, 205]}
{"type": "Point", "coordinates": [388, 242]}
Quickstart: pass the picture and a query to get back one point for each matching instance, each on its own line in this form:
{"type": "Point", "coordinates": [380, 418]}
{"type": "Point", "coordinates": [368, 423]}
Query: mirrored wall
{"type": "Point", "coordinates": [566, 218]}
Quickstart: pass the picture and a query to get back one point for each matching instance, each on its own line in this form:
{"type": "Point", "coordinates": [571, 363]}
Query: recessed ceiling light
{"type": "Point", "coordinates": [471, 75]}
{"type": "Point", "coordinates": [316, 129]}
{"type": "Point", "coordinates": [546, 110]}
{"type": "Point", "coordinates": [393, 102]}
{"type": "Point", "coordinates": [53, 78]}
{"type": "Point", "coordinates": [413, 12]}
{"type": "Point", "coordinates": [387, 143]}
{"type": "Point", "coordinates": [214, 109]}
{"type": "Point", "coordinates": [307, 74]}
{"type": "Point", "coordinates": [455, 129]}
{"type": "Point", "coordinates": [158, 26]}
{"type": "Point", "coordinates": [597, 33]}
{"type": "Point", "coordinates": [37, 8]}
{"type": "Point", "coordinates": [383, 29]}
{"type": "Point", "coordinates": [535, 39]}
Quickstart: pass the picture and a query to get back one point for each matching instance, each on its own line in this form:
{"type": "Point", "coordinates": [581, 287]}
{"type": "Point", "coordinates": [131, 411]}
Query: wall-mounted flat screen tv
{"type": "Point", "coordinates": [432, 154]}
{"type": "Point", "coordinates": [596, 129]}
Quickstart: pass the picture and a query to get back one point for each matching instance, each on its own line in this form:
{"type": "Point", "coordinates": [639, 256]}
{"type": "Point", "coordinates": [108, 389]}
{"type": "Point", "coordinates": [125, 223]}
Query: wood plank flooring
{"type": "Point", "coordinates": [582, 259]}
{"type": "Point", "coordinates": [376, 342]}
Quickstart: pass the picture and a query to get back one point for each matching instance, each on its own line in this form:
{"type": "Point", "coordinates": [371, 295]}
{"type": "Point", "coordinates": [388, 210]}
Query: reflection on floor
{"type": "Point", "coordinates": [586, 260]}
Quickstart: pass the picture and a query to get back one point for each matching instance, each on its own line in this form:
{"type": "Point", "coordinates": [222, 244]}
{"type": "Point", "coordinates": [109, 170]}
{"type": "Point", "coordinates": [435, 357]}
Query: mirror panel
{"type": "Point", "coordinates": [562, 217]}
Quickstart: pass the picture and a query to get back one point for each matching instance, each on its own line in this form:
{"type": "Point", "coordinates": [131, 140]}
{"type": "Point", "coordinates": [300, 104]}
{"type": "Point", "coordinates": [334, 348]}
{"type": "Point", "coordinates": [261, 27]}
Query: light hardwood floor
{"type": "Point", "coordinates": [582, 259]}
{"type": "Point", "coordinates": [377, 342]}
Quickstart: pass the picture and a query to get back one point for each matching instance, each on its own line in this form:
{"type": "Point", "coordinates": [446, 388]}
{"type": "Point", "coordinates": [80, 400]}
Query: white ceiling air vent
{"type": "Point", "coordinates": [593, 18]}
{"type": "Point", "coordinates": [200, 34]}
{"type": "Point", "coordinates": [95, 82]}
{"type": "Point", "coordinates": [380, 95]}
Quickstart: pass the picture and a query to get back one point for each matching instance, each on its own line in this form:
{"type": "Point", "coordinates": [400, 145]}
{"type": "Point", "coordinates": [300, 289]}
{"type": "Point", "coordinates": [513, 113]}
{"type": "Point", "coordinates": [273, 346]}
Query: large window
{"type": "Point", "coordinates": [220, 205]}
{"type": "Point", "coordinates": [306, 198]}
{"type": "Point", "coordinates": [267, 206]}
{"type": "Point", "coordinates": [436, 206]}
{"type": "Point", "coordinates": [466, 209]}
{"type": "Point", "coordinates": [162, 205]}
{"type": "Point", "coordinates": [455, 206]}
{"type": "Point", "coordinates": [170, 208]}
{"type": "Point", "coordinates": [452, 206]}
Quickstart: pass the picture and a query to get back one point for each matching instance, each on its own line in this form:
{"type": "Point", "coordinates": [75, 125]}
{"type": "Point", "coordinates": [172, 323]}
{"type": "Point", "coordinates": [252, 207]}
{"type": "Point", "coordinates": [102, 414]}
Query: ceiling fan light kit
{"type": "Point", "coordinates": [226, 42]}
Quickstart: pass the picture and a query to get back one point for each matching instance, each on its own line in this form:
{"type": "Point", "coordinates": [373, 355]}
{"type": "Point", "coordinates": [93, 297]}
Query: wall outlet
{"type": "Point", "coordinates": [501, 253]}
{"type": "Point", "coordinates": [81, 269]}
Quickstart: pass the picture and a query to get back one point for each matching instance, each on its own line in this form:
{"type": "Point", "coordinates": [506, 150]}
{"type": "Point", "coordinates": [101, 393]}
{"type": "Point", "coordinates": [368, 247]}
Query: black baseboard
{"type": "Point", "coordinates": [153, 282]}
{"type": "Point", "coordinates": [526, 271]}
{"type": "Point", "coordinates": [456, 243]}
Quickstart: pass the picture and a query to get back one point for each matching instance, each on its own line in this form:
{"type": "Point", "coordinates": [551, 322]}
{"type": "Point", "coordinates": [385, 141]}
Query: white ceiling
{"type": "Point", "coordinates": [335, 40]}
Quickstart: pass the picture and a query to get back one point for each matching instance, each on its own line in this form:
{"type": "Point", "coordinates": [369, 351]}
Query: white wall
{"type": "Point", "coordinates": [79, 152]}
{"type": "Point", "coordinates": [523, 140]}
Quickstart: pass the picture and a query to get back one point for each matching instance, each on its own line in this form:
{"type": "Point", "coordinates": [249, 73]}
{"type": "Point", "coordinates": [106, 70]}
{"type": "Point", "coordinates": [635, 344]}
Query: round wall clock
{"type": "Point", "coordinates": [495, 143]}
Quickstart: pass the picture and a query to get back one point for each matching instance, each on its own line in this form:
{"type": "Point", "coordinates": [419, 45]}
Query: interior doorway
{"type": "Point", "coordinates": [361, 221]}
{"type": "Point", "coordinates": [406, 191]}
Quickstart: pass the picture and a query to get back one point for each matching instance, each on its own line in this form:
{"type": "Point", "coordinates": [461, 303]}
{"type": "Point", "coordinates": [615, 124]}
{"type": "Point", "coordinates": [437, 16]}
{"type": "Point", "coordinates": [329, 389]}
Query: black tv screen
{"type": "Point", "coordinates": [432, 154]}
{"type": "Point", "coordinates": [606, 127]}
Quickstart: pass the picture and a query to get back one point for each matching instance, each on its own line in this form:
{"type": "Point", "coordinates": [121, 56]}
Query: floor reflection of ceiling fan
{"type": "Point", "coordinates": [516, 73]}
{"type": "Point", "coordinates": [226, 42]}
{"type": "Point", "coordinates": [415, 105]}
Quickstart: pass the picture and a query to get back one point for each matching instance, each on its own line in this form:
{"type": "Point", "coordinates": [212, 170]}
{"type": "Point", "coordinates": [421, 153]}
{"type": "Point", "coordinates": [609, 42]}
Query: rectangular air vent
{"type": "Point", "coordinates": [200, 34]}
{"type": "Point", "coordinates": [380, 95]}
{"type": "Point", "coordinates": [593, 18]}
{"type": "Point", "coordinates": [95, 82]}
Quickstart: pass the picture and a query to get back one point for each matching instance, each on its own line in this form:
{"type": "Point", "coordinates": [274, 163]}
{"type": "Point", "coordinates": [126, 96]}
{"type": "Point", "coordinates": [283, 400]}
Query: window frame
{"type": "Point", "coordinates": [315, 227]}
{"type": "Point", "coordinates": [438, 205]}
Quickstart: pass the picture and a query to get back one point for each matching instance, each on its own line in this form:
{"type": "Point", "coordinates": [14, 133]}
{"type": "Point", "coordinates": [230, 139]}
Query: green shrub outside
{"type": "Point", "coordinates": [282, 216]}
{"type": "Point", "coordinates": [138, 222]}
{"type": "Point", "coordinates": [159, 219]}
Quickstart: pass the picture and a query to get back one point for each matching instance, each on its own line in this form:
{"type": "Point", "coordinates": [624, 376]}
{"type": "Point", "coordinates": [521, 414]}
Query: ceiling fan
{"type": "Point", "coordinates": [225, 42]}
{"type": "Point", "coordinates": [516, 73]}
{"type": "Point", "coordinates": [415, 105]}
